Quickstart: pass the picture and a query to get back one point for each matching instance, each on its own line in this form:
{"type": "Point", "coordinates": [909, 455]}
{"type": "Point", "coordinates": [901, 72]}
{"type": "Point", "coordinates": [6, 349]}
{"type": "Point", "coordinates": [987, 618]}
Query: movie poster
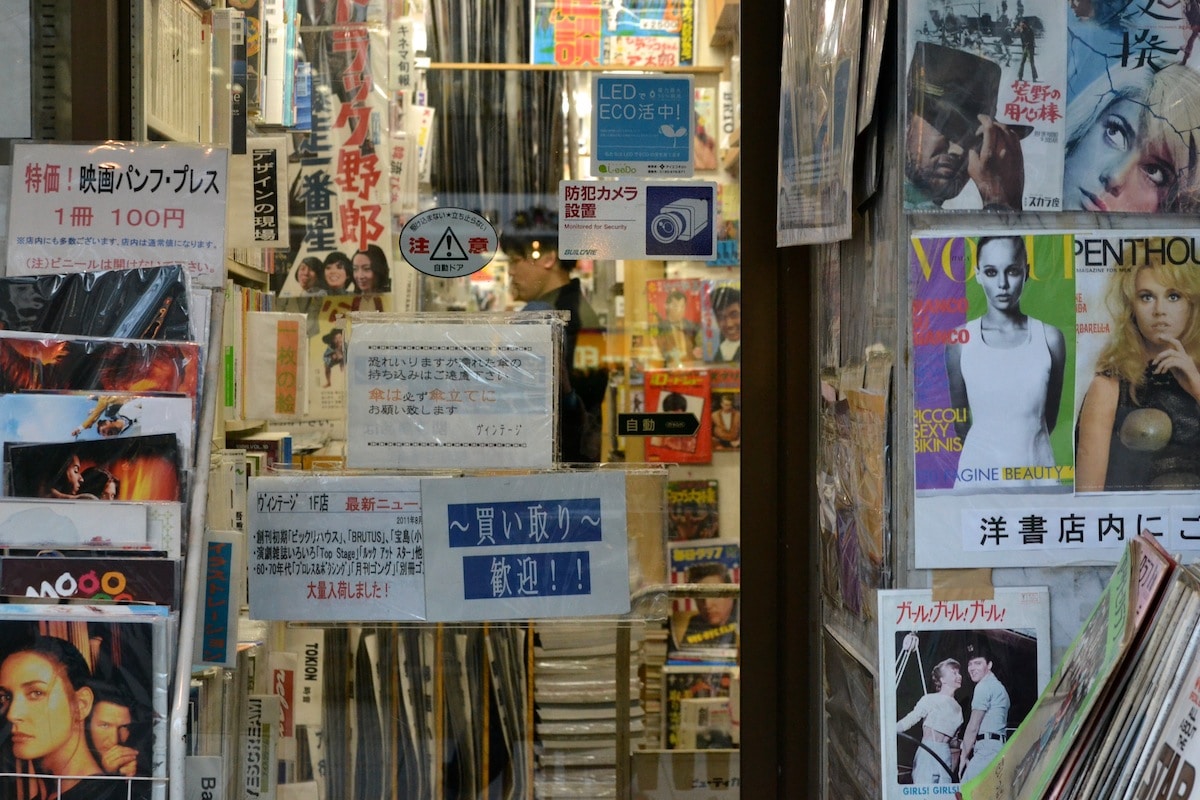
{"type": "Point", "coordinates": [986, 81]}
{"type": "Point", "coordinates": [941, 661]}
{"type": "Point", "coordinates": [993, 324]}
{"type": "Point", "coordinates": [112, 662]}
{"type": "Point", "coordinates": [1133, 104]}
{"type": "Point", "coordinates": [341, 240]}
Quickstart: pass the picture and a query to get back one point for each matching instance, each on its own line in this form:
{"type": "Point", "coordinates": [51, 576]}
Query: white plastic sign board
{"type": "Point", "coordinates": [431, 395]}
{"type": "Point", "coordinates": [82, 208]}
{"type": "Point", "coordinates": [336, 549]}
{"type": "Point", "coordinates": [637, 220]}
{"type": "Point", "coordinates": [526, 547]}
{"type": "Point", "coordinates": [642, 125]}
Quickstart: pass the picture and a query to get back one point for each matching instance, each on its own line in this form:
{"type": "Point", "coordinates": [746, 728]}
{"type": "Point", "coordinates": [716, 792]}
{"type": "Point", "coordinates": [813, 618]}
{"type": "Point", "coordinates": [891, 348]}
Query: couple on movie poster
{"type": "Point", "coordinates": [81, 705]}
{"type": "Point", "coordinates": [959, 678]}
{"type": "Point", "coordinates": [1056, 363]}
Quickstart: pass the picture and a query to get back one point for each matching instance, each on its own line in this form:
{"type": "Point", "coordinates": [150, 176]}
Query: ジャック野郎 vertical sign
{"type": "Point", "coordinates": [543, 545]}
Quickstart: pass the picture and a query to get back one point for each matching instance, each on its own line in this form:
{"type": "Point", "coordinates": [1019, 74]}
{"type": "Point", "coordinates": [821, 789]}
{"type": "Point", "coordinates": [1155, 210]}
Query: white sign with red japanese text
{"type": "Point", "coordinates": [425, 392]}
{"type": "Point", "coordinates": [526, 547]}
{"type": "Point", "coordinates": [1064, 530]}
{"type": "Point", "coordinates": [448, 242]}
{"type": "Point", "coordinates": [335, 549]}
{"type": "Point", "coordinates": [637, 220]}
{"type": "Point", "coordinates": [82, 208]}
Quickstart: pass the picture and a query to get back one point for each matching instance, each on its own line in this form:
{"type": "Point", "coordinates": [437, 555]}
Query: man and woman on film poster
{"type": "Point", "coordinates": [1056, 363]}
{"type": "Point", "coordinates": [956, 686]}
{"type": "Point", "coordinates": [80, 707]}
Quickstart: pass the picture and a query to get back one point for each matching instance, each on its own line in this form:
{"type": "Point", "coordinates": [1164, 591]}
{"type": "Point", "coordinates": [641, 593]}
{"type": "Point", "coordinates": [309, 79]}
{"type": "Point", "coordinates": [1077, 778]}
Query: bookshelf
{"type": "Point", "coordinates": [169, 71]}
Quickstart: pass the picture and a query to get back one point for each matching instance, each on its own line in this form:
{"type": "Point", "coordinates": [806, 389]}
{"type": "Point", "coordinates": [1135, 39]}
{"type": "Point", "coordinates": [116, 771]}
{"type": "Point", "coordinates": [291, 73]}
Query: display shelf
{"type": "Point", "coordinates": [246, 274]}
{"type": "Point", "coordinates": [478, 67]}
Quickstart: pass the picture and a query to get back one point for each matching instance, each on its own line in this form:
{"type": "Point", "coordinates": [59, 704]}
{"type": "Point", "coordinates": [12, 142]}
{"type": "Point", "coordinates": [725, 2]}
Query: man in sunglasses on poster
{"type": "Point", "coordinates": [953, 136]}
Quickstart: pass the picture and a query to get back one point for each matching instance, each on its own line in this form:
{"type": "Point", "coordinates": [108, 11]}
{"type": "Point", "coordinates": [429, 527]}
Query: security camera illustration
{"type": "Point", "coordinates": [681, 220]}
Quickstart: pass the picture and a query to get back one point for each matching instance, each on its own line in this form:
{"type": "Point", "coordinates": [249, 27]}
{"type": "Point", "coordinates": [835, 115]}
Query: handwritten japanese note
{"type": "Point", "coordinates": [430, 395]}
{"type": "Point", "coordinates": [536, 546]}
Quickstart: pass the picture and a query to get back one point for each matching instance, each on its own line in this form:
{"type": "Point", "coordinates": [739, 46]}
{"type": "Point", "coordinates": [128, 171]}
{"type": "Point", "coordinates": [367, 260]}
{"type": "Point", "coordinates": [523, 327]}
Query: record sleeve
{"type": "Point", "coordinates": [674, 314]}
{"type": "Point", "coordinates": [684, 683]}
{"type": "Point", "coordinates": [106, 666]}
{"type": "Point", "coordinates": [136, 468]}
{"type": "Point", "coordinates": [36, 417]}
{"type": "Point", "coordinates": [1096, 661]}
{"type": "Point", "coordinates": [32, 362]}
{"type": "Point", "coordinates": [36, 524]}
{"type": "Point", "coordinates": [130, 579]}
{"type": "Point", "coordinates": [139, 303]}
{"type": "Point", "coordinates": [944, 663]}
{"type": "Point", "coordinates": [705, 627]}
{"type": "Point", "coordinates": [721, 321]}
{"type": "Point", "coordinates": [680, 391]}
{"type": "Point", "coordinates": [692, 510]}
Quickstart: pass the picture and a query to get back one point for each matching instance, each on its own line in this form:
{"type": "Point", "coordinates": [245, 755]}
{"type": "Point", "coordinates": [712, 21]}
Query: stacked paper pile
{"type": "Point", "coordinates": [579, 707]}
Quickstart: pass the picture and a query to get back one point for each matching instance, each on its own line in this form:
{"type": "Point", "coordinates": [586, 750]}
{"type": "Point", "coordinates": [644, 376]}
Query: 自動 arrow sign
{"type": "Point", "coordinates": [673, 424]}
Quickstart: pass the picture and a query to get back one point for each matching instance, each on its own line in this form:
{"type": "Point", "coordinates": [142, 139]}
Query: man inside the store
{"type": "Point", "coordinates": [543, 281]}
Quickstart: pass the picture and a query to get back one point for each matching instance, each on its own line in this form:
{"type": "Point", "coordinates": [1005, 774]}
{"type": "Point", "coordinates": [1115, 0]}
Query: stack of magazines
{"type": "Point", "coordinates": [1119, 718]}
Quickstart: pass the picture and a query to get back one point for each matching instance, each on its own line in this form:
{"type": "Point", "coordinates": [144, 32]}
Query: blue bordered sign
{"type": "Point", "coordinates": [642, 125]}
{"type": "Point", "coordinates": [448, 242]}
{"type": "Point", "coordinates": [526, 547]}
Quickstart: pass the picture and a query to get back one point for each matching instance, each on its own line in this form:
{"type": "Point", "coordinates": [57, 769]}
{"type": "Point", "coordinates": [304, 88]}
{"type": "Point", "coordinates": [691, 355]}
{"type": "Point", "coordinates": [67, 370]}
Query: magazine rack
{"type": "Point", "coordinates": [177, 734]}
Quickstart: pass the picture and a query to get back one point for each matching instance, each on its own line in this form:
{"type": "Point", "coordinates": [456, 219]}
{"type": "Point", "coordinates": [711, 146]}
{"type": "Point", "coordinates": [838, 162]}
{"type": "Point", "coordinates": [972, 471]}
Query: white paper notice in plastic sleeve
{"type": "Point", "coordinates": [337, 548]}
{"type": "Point", "coordinates": [523, 547]}
{"type": "Point", "coordinates": [427, 395]}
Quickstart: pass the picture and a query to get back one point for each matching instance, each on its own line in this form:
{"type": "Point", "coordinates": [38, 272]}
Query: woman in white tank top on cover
{"type": "Point", "coordinates": [1007, 371]}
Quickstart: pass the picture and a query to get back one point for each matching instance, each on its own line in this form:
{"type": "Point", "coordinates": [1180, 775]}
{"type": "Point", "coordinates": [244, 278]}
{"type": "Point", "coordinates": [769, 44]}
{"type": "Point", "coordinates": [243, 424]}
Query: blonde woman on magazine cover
{"type": "Point", "coordinates": [1139, 425]}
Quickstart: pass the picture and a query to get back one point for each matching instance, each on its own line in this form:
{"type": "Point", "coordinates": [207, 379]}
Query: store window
{"type": "Point", "coordinates": [482, 277]}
